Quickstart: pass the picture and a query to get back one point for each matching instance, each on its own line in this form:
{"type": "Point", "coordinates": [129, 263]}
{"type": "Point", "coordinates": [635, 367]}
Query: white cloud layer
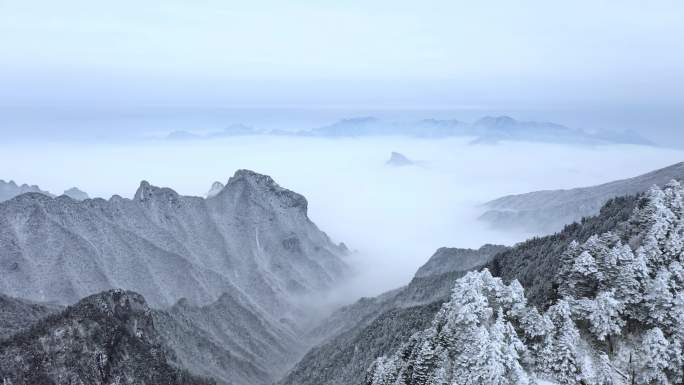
{"type": "Point", "coordinates": [395, 217]}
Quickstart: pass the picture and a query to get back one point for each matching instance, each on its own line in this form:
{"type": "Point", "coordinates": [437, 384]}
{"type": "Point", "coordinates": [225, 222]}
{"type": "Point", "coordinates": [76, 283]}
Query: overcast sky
{"type": "Point", "coordinates": [346, 53]}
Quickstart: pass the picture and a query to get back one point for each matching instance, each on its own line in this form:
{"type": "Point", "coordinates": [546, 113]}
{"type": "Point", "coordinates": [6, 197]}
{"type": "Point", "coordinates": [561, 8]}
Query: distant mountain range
{"type": "Point", "coordinates": [489, 129]}
{"type": "Point", "coordinates": [9, 190]}
{"type": "Point", "coordinates": [548, 211]}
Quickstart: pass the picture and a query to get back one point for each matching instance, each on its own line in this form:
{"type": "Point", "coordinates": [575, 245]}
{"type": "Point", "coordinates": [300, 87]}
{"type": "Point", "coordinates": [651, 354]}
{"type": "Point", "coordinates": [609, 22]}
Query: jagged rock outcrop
{"type": "Point", "coordinates": [9, 190]}
{"type": "Point", "coordinates": [76, 193]}
{"type": "Point", "coordinates": [254, 237]}
{"type": "Point", "coordinates": [548, 211]}
{"type": "Point", "coordinates": [107, 338]}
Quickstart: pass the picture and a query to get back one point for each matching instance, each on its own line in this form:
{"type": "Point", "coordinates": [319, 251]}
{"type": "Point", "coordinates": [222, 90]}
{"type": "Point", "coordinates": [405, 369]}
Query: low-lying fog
{"type": "Point", "coordinates": [396, 217]}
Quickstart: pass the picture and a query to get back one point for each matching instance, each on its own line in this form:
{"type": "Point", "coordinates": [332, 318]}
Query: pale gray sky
{"type": "Point", "coordinates": [351, 53]}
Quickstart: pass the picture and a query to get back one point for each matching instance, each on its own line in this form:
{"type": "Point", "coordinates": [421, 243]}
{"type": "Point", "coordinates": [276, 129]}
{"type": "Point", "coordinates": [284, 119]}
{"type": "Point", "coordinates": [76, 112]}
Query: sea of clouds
{"type": "Point", "coordinates": [393, 217]}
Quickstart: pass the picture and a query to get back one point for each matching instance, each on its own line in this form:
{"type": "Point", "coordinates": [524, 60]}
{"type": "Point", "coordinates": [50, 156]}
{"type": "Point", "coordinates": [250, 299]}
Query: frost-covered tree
{"type": "Point", "coordinates": [658, 299]}
{"type": "Point", "coordinates": [653, 359]}
{"type": "Point", "coordinates": [618, 316]}
{"type": "Point", "coordinates": [471, 341]}
{"type": "Point", "coordinates": [604, 373]}
{"type": "Point", "coordinates": [560, 357]}
{"type": "Point", "coordinates": [605, 316]}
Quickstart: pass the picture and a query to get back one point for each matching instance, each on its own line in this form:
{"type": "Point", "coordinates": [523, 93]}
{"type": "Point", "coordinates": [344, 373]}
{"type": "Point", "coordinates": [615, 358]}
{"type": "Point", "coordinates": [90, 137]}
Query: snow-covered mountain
{"type": "Point", "coordinates": [550, 210]}
{"type": "Point", "coordinates": [18, 314]}
{"type": "Point", "coordinates": [76, 193]}
{"type": "Point", "coordinates": [215, 189]}
{"type": "Point", "coordinates": [489, 129]}
{"type": "Point", "coordinates": [9, 190]}
{"type": "Point", "coordinates": [615, 315]}
{"type": "Point", "coordinates": [108, 338]}
{"type": "Point", "coordinates": [254, 238]}
{"type": "Point", "coordinates": [226, 275]}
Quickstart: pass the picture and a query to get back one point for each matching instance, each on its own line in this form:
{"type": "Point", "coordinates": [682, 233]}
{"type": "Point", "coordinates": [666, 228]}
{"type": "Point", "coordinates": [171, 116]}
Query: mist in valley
{"type": "Point", "coordinates": [393, 218]}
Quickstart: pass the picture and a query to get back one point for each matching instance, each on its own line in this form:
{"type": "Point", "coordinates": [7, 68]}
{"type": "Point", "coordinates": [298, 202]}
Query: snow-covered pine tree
{"type": "Point", "coordinates": [605, 317]}
{"type": "Point", "coordinates": [653, 359]}
{"type": "Point", "coordinates": [471, 341]}
{"type": "Point", "coordinates": [604, 374]}
{"type": "Point", "coordinates": [560, 358]}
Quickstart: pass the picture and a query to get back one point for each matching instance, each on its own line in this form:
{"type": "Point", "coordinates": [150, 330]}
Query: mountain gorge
{"type": "Point", "coordinates": [598, 303]}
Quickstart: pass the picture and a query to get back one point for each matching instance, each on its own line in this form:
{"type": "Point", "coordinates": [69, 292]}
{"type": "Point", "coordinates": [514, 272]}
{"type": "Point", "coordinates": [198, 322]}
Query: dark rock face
{"type": "Point", "coordinates": [108, 338]}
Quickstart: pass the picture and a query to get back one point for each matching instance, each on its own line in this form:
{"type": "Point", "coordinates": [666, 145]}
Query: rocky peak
{"type": "Point", "coordinates": [117, 302]}
{"type": "Point", "coordinates": [264, 187]}
{"type": "Point", "coordinates": [76, 193]}
{"type": "Point", "coordinates": [146, 192]}
{"type": "Point", "coordinates": [215, 189]}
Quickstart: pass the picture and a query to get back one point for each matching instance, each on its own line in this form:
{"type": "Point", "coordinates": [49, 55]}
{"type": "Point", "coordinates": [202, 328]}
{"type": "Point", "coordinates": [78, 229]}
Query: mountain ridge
{"type": "Point", "coordinates": [547, 211]}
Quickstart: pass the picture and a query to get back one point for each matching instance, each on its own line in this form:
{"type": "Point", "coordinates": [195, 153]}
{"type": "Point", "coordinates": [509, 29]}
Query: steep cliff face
{"type": "Point", "coordinates": [107, 338]}
{"type": "Point", "coordinates": [253, 237]}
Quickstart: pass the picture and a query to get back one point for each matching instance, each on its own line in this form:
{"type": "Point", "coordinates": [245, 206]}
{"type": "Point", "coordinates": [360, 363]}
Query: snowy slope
{"type": "Point", "coordinates": [108, 338]}
{"type": "Point", "coordinates": [616, 315]}
{"type": "Point", "coordinates": [254, 238]}
{"type": "Point", "coordinates": [548, 211]}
